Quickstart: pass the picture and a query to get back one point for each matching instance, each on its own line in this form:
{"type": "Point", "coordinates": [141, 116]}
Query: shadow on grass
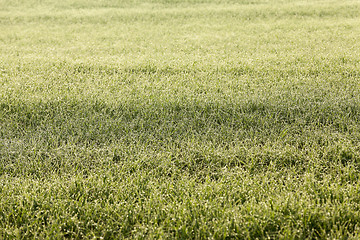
{"type": "Point", "coordinates": [195, 138]}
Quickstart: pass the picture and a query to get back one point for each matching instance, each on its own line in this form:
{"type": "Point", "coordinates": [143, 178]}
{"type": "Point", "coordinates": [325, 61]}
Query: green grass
{"type": "Point", "coordinates": [197, 119]}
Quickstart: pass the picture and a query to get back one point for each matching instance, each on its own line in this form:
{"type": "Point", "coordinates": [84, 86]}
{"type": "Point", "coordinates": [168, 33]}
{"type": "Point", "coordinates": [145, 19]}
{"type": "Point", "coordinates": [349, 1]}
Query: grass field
{"type": "Point", "coordinates": [169, 119]}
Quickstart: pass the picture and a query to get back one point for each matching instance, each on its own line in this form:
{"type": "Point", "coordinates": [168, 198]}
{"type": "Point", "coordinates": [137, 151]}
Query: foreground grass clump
{"type": "Point", "coordinates": [179, 119]}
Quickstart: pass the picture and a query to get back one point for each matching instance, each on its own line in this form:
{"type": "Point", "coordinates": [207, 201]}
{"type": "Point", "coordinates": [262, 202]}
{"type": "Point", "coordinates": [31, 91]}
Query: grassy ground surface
{"type": "Point", "coordinates": [180, 119]}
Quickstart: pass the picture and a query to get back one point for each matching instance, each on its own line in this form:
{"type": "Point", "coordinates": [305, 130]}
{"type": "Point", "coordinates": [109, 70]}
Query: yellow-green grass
{"type": "Point", "coordinates": [180, 119]}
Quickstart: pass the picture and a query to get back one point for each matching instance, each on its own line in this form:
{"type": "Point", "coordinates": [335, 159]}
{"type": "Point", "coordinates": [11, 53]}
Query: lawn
{"type": "Point", "coordinates": [169, 119]}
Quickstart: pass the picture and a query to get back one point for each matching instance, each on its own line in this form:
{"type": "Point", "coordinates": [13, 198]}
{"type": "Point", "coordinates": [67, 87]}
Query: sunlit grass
{"type": "Point", "coordinates": [179, 119]}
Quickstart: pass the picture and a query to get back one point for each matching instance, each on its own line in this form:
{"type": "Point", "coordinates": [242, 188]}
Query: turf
{"type": "Point", "coordinates": [166, 119]}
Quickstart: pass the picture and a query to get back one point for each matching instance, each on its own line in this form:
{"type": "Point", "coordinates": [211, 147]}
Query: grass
{"type": "Point", "coordinates": [179, 119]}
